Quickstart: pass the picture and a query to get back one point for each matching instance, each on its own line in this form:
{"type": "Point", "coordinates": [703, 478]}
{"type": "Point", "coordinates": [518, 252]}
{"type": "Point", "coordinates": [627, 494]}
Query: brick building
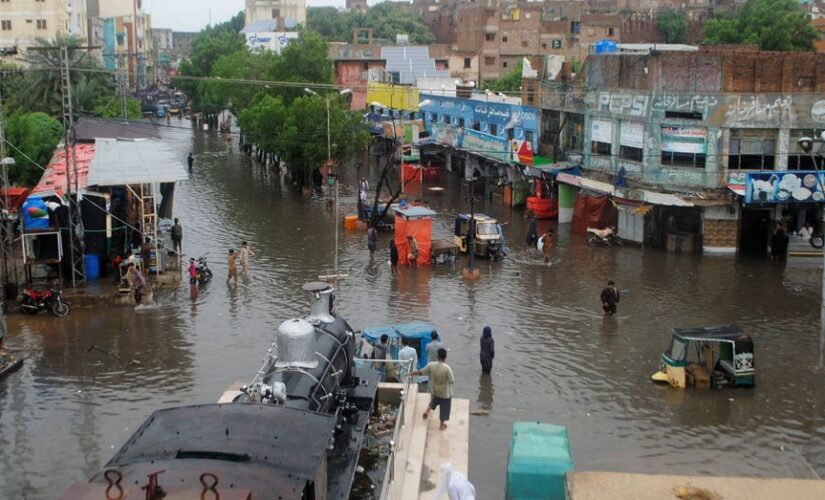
{"type": "Point", "coordinates": [681, 133]}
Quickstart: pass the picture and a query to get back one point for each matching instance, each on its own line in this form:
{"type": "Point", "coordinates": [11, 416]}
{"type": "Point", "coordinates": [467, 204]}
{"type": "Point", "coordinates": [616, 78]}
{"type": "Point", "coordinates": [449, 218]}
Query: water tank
{"type": "Point", "coordinates": [92, 262]}
{"type": "Point", "coordinates": [605, 46]}
{"type": "Point", "coordinates": [35, 213]}
{"type": "Point", "coordinates": [538, 460]}
{"type": "Point", "coordinates": [296, 344]}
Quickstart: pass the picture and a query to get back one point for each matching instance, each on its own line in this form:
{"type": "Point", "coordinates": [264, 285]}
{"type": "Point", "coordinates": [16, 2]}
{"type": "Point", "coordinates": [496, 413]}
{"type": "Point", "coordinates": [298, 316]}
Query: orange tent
{"type": "Point", "coordinates": [418, 222]}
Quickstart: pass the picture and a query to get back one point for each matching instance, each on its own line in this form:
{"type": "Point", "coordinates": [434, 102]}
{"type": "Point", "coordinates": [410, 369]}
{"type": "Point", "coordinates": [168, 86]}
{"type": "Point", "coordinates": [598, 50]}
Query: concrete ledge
{"type": "Point", "coordinates": [600, 485]}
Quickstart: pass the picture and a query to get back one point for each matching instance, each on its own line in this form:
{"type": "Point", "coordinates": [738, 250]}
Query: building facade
{"type": "Point", "coordinates": [22, 22]}
{"type": "Point", "coordinates": [682, 133]}
{"type": "Point", "coordinates": [292, 12]}
{"type": "Point", "coordinates": [127, 38]}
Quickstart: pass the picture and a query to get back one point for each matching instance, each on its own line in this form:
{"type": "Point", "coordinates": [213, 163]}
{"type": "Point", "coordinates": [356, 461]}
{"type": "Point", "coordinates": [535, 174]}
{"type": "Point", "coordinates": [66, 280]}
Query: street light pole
{"type": "Point", "coordinates": [329, 143]}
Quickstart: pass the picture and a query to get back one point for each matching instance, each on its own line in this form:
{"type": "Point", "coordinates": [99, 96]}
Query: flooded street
{"type": "Point", "coordinates": [67, 411]}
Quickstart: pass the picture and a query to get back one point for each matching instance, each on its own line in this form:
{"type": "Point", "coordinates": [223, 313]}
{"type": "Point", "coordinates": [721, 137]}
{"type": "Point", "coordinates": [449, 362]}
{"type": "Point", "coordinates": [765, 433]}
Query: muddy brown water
{"type": "Point", "coordinates": [557, 358]}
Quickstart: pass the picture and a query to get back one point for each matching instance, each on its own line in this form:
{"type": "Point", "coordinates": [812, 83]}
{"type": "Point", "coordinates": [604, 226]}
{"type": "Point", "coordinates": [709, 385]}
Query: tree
{"type": "Point", "coordinates": [386, 20]}
{"type": "Point", "coordinates": [673, 26]}
{"type": "Point", "coordinates": [511, 82]}
{"type": "Point", "coordinates": [38, 89]}
{"type": "Point", "coordinates": [34, 137]}
{"type": "Point", "coordinates": [771, 24]}
{"type": "Point", "coordinates": [111, 107]}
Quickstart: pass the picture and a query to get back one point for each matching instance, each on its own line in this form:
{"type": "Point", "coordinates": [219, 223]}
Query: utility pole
{"type": "Point", "coordinates": [78, 266]}
{"type": "Point", "coordinates": [7, 225]}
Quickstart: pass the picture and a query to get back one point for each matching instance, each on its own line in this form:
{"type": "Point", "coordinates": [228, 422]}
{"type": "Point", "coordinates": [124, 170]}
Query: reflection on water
{"type": "Point", "coordinates": [558, 359]}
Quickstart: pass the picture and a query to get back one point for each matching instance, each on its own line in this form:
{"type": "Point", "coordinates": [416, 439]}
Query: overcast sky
{"type": "Point", "coordinates": [193, 15]}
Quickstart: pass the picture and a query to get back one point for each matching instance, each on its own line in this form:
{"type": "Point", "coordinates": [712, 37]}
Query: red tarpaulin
{"type": "Point", "coordinates": [593, 211]}
{"type": "Point", "coordinates": [17, 195]}
{"type": "Point", "coordinates": [421, 230]}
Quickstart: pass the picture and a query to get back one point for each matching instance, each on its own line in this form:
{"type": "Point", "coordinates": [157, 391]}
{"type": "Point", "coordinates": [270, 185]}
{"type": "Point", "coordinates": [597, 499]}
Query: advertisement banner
{"type": "Point", "coordinates": [601, 131]}
{"type": "Point", "coordinates": [685, 140]}
{"type": "Point", "coordinates": [446, 134]}
{"type": "Point", "coordinates": [632, 134]}
{"type": "Point", "coordinates": [801, 186]}
{"type": "Point", "coordinates": [490, 146]}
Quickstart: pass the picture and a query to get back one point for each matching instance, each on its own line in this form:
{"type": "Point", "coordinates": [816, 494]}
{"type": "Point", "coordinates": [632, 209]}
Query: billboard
{"type": "Point", "coordinates": [685, 140]}
{"type": "Point", "coordinates": [799, 186]}
{"type": "Point", "coordinates": [272, 41]}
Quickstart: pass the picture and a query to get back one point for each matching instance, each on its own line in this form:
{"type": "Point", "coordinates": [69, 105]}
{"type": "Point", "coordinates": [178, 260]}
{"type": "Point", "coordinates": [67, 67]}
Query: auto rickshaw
{"type": "Point", "coordinates": [486, 241]}
{"type": "Point", "coordinates": [708, 357]}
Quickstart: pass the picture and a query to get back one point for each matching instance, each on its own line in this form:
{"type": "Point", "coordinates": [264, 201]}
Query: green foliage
{"type": "Point", "coordinates": [673, 26]}
{"type": "Point", "coordinates": [38, 89]}
{"type": "Point", "coordinates": [511, 82]}
{"type": "Point", "coordinates": [386, 20]}
{"type": "Point", "coordinates": [35, 135]}
{"type": "Point", "coordinates": [771, 24]}
{"type": "Point", "coordinates": [110, 107]}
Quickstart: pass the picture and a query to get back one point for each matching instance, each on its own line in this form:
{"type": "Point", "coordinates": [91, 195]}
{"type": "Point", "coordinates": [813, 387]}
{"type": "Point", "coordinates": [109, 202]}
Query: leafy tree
{"type": "Point", "coordinates": [110, 107]}
{"type": "Point", "coordinates": [34, 137]}
{"type": "Point", "coordinates": [673, 26]}
{"type": "Point", "coordinates": [511, 82]}
{"type": "Point", "coordinates": [771, 24]}
{"type": "Point", "coordinates": [38, 89]}
{"type": "Point", "coordinates": [386, 20]}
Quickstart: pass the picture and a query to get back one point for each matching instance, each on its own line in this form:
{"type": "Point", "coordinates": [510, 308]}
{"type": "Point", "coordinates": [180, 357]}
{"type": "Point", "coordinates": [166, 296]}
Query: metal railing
{"type": "Point", "coordinates": [389, 474]}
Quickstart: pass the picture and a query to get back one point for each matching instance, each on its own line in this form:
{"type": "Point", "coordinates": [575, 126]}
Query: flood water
{"type": "Point", "coordinates": [557, 358]}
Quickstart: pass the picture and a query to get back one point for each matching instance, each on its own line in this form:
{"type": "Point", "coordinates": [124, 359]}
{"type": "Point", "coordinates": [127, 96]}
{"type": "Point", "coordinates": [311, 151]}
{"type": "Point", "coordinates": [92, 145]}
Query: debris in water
{"type": "Point", "coordinates": [480, 413]}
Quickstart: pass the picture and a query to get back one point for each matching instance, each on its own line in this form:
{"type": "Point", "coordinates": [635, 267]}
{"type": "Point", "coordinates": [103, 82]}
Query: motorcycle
{"type": "Point", "coordinates": [204, 273]}
{"type": "Point", "coordinates": [35, 301]}
{"type": "Point", "coordinates": [606, 236]}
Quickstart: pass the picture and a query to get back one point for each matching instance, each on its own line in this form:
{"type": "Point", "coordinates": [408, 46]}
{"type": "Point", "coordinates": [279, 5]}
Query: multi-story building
{"type": "Point", "coordinates": [686, 144]}
{"type": "Point", "coordinates": [292, 12]}
{"type": "Point", "coordinates": [164, 46]}
{"type": "Point", "coordinates": [125, 30]}
{"type": "Point", "coordinates": [22, 22]}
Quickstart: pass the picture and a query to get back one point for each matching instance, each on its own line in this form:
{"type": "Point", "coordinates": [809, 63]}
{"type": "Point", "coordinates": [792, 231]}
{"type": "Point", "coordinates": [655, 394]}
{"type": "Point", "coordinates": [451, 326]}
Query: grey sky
{"type": "Point", "coordinates": [193, 15]}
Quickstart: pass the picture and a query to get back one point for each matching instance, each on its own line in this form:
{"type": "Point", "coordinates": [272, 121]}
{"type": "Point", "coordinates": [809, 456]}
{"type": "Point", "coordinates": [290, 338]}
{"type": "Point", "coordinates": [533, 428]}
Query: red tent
{"type": "Point", "coordinates": [418, 222]}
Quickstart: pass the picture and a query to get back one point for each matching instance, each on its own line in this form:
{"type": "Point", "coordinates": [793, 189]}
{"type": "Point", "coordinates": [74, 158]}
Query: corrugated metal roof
{"type": "Point", "coordinates": [410, 63]}
{"type": "Point", "coordinates": [118, 163]}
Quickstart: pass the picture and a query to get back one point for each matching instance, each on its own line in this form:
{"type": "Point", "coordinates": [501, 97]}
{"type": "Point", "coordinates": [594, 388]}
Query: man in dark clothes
{"type": "Point", "coordinates": [779, 245]}
{"type": "Point", "coordinates": [533, 232]}
{"type": "Point", "coordinates": [488, 350]}
{"type": "Point", "coordinates": [177, 237]}
{"type": "Point", "coordinates": [393, 257]}
{"type": "Point", "coordinates": [317, 180]}
{"type": "Point", "coordinates": [190, 160]}
{"type": "Point", "coordinates": [610, 298]}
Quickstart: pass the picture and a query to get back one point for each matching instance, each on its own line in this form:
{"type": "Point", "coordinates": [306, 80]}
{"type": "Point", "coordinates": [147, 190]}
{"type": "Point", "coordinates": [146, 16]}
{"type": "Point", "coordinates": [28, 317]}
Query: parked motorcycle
{"type": "Point", "coordinates": [35, 301]}
{"type": "Point", "coordinates": [204, 273]}
{"type": "Point", "coordinates": [606, 236]}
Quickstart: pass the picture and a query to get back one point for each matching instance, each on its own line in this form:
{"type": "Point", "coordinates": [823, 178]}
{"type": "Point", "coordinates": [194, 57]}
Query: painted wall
{"type": "Point", "coordinates": [400, 97]}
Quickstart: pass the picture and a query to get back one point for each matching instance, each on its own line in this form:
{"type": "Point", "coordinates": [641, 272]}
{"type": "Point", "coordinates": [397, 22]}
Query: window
{"type": "Point", "coordinates": [797, 158]}
{"type": "Point", "coordinates": [575, 27]}
{"type": "Point", "coordinates": [524, 43]}
{"type": "Point", "coordinates": [684, 146]}
{"type": "Point", "coordinates": [447, 119]}
{"type": "Point", "coordinates": [610, 31]}
{"type": "Point", "coordinates": [276, 13]}
{"type": "Point", "coordinates": [466, 63]}
{"type": "Point", "coordinates": [493, 129]}
{"type": "Point", "coordinates": [5, 25]}
{"type": "Point", "coordinates": [490, 37]}
{"type": "Point", "coordinates": [601, 137]}
{"type": "Point", "coordinates": [434, 117]}
{"type": "Point", "coordinates": [544, 45]}
{"type": "Point", "coordinates": [476, 126]}
{"type": "Point", "coordinates": [461, 122]}
{"type": "Point", "coordinates": [503, 64]}
{"type": "Point", "coordinates": [574, 133]}
{"type": "Point", "coordinates": [504, 39]}
{"type": "Point", "coordinates": [489, 60]}
{"type": "Point", "coordinates": [631, 141]}
{"type": "Point", "coordinates": [41, 24]}
{"type": "Point", "coordinates": [751, 149]}
{"type": "Point", "coordinates": [510, 134]}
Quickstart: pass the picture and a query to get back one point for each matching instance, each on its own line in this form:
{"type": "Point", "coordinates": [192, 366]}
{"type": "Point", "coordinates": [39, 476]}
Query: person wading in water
{"type": "Point", "coordinates": [610, 298]}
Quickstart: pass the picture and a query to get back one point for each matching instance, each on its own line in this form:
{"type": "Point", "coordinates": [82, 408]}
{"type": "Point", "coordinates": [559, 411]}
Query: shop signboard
{"type": "Point", "coordinates": [446, 134]}
{"type": "Point", "coordinates": [272, 41]}
{"type": "Point", "coordinates": [799, 186]}
{"type": "Point", "coordinates": [490, 146]}
{"type": "Point", "coordinates": [685, 140]}
{"type": "Point", "coordinates": [601, 131]}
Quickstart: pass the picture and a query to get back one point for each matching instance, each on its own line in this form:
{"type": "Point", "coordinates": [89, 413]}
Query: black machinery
{"type": "Point", "coordinates": [294, 432]}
